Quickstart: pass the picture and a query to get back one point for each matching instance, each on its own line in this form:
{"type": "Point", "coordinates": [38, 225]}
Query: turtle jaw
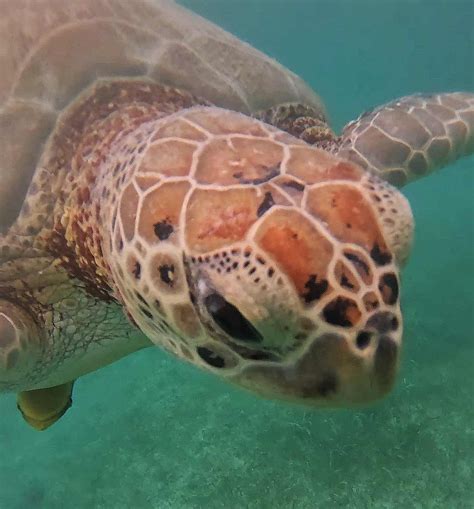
{"type": "Point", "coordinates": [331, 373]}
{"type": "Point", "coordinates": [348, 385]}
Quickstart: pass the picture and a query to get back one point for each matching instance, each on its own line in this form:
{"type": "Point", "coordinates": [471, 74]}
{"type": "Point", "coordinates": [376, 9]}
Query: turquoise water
{"type": "Point", "coordinates": [151, 432]}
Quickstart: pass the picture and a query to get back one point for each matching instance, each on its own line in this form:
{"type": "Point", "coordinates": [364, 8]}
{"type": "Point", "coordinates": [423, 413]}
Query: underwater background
{"type": "Point", "coordinates": [153, 432]}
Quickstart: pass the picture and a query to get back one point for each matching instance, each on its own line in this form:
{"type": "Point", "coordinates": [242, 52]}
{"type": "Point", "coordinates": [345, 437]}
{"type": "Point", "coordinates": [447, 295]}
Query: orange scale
{"type": "Point", "coordinates": [160, 212]}
{"type": "Point", "coordinates": [171, 158]}
{"type": "Point", "coordinates": [360, 263]}
{"type": "Point", "coordinates": [312, 165]}
{"type": "Point", "coordinates": [300, 250]}
{"type": "Point", "coordinates": [128, 210]}
{"type": "Point", "coordinates": [238, 161]}
{"type": "Point", "coordinates": [342, 312]}
{"type": "Point", "coordinates": [215, 219]}
{"type": "Point", "coordinates": [371, 301]}
{"type": "Point", "coordinates": [347, 214]}
{"type": "Point", "coordinates": [345, 277]}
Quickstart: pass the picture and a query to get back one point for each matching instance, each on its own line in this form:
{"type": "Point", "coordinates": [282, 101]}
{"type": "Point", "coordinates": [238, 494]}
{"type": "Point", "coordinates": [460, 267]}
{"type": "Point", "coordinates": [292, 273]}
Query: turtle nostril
{"type": "Point", "coordinates": [363, 339]}
{"type": "Point", "coordinates": [394, 323]}
{"type": "Point", "coordinates": [383, 322]}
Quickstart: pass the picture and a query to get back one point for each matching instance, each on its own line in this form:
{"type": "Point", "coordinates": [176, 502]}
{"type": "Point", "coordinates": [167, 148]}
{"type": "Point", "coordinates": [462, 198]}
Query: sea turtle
{"type": "Point", "coordinates": [163, 183]}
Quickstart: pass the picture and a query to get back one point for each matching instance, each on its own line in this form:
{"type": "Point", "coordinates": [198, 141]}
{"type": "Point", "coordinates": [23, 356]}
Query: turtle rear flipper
{"type": "Point", "coordinates": [43, 407]}
{"type": "Point", "coordinates": [409, 138]}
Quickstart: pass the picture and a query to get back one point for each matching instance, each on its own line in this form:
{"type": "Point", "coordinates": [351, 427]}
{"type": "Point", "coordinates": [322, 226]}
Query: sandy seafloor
{"type": "Point", "coordinates": [152, 432]}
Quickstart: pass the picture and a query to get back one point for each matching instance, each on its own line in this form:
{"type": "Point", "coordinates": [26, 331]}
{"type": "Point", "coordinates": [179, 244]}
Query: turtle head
{"type": "Point", "coordinates": [307, 309]}
{"type": "Point", "coordinates": [271, 263]}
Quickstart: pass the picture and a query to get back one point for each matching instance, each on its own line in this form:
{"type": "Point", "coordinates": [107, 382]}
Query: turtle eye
{"type": "Point", "coordinates": [230, 319]}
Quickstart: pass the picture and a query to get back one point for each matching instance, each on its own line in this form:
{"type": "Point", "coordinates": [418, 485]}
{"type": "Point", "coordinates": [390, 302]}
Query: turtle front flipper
{"type": "Point", "coordinates": [410, 137]}
{"type": "Point", "coordinates": [21, 351]}
{"type": "Point", "coordinates": [43, 407]}
{"type": "Point", "coordinates": [21, 346]}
